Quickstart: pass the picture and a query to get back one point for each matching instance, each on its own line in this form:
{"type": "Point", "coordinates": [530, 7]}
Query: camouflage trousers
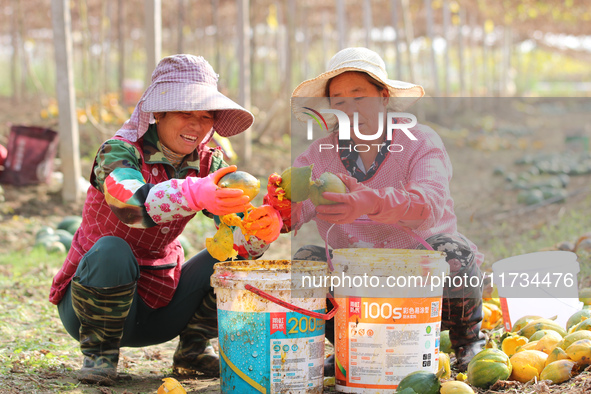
{"type": "Point", "coordinates": [462, 306]}
{"type": "Point", "coordinates": [110, 264]}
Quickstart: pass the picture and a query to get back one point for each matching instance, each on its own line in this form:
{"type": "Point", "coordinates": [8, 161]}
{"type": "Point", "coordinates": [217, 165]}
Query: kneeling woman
{"type": "Point", "coordinates": [125, 281]}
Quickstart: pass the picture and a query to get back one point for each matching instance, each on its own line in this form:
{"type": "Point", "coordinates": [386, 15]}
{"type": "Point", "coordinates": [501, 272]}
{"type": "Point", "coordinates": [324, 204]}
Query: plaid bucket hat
{"type": "Point", "coordinates": [353, 59]}
{"type": "Point", "coordinates": [186, 83]}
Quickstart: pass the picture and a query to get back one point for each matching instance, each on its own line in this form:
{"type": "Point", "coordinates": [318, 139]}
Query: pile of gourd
{"type": "Point", "coordinates": [535, 348]}
{"type": "Point", "coordinates": [547, 176]}
{"type": "Point", "coordinates": [58, 240]}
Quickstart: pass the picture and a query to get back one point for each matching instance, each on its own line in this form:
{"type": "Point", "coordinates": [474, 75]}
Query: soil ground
{"type": "Point", "coordinates": [487, 210]}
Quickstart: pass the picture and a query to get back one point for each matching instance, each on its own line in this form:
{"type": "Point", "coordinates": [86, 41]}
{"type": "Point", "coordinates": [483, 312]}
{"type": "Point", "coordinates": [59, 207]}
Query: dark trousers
{"type": "Point", "coordinates": [111, 263]}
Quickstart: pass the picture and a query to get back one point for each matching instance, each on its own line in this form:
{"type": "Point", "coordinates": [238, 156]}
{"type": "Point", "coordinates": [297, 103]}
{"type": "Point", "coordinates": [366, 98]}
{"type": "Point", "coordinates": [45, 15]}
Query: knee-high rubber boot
{"type": "Point", "coordinates": [464, 333]}
{"type": "Point", "coordinates": [102, 312]}
{"type": "Point", "coordinates": [194, 354]}
{"type": "Point", "coordinates": [462, 315]}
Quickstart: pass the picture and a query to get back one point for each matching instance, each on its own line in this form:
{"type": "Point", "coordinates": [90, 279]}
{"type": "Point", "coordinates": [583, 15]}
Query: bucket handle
{"type": "Point", "coordinates": [323, 316]}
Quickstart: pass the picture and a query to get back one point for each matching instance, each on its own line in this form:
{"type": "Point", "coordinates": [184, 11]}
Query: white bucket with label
{"type": "Point", "coordinates": [271, 330]}
{"type": "Point", "coordinates": [541, 283]}
{"type": "Point", "coordinates": [388, 326]}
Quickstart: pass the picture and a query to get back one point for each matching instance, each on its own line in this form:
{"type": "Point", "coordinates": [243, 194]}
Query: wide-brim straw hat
{"type": "Point", "coordinates": [186, 83]}
{"type": "Point", "coordinates": [355, 59]}
{"type": "Point", "coordinates": [189, 83]}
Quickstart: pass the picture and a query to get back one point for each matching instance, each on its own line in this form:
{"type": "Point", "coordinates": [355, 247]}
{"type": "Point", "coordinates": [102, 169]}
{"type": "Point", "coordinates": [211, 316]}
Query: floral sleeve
{"type": "Point", "coordinates": [138, 204]}
{"type": "Point", "coordinates": [165, 202]}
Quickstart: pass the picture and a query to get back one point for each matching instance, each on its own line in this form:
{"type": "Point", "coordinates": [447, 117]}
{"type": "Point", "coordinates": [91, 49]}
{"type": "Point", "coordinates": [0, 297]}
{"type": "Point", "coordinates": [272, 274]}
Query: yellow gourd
{"type": "Point", "coordinates": [510, 344]}
{"type": "Point", "coordinates": [556, 354]}
{"type": "Point", "coordinates": [527, 365]}
{"type": "Point", "coordinates": [444, 365]}
{"type": "Point", "coordinates": [492, 316]}
{"type": "Point", "coordinates": [524, 321]}
{"type": "Point", "coordinates": [573, 337]}
{"type": "Point", "coordinates": [528, 346]}
{"type": "Point", "coordinates": [171, 386]}
{"type": "Point", "coordinates": [221, 246]}
{"type": "Point", "coordinates": [580, 352]}
{"type": "Point", "coordinates": [327, 182]}
{"type": "Point", "coordinates": [455, 387]}
{"type": "Point", "coordinates": [558, 371]}
{"type": "Point", "coordinates": [249, 184]}
{"type": "Point", "coordinates": [541, 324]}
{"type": "Point", "coordinates": [548, 342]}
{"type": "Point", "coordinates": [462, 377]}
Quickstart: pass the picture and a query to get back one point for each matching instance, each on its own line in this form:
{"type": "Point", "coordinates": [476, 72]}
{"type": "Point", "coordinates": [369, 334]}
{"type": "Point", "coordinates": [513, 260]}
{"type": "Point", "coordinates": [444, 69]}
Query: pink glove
{"type": "Point", "coordinates": [387, 205]}
{"type": "Point", "coordinates": [264, 223]}
{"type": "Point", "coordinates": [204, 193]}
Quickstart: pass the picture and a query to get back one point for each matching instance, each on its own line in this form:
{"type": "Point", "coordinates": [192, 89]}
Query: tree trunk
{"type": "Point", "coordinates": [398, 32]}
{"type": "Point", "coordinates": [153, 36]}
{"type": "Point", "coordinates": [367, 22]}
{"type": "Point", "coordinates": [120, 48]}
{"type": "Point", "coordinates": [243, 25]}
{"type": "Point", "coordinates": [473, 55]}
{"type": "Point", "coordinates": [341, 22]}
{"type": "Point", "coordinates": [17, 86]}
{"type": "Point", "coordinates": [101, 60]}
{"type": "Point", "coordinates": [180, 47]}
{"type": "Point", "coordinates": [446, 36]}
{"type": "Point", "coordinates": [508, 88]}
{"type": "Point", "coordinates": [408, 37]}
{"type": "Point", "coordinates": [290, 15]}
{"type": "Point", "coordinates": [485, 72]}
{"type": "Point", "coordinates": [325, 40]}
{"type": "Point", "coordinates": [434, 74]}
{"type": "Point", "coordinates": [306, 44]}
{"type": "Point", "coordinates": [68, 126]}
{"type": "Point", "coordinates": [461, 53]}
{"type": "Point", "coordinates": [218, 34]}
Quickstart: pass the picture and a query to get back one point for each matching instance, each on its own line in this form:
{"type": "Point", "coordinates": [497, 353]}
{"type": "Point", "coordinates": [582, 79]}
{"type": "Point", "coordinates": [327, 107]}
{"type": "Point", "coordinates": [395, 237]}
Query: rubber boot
{"type": "Point", "coordinates": [102, 313]}
{"type": "Point", "coordinates": [465, 336]}
{"type": "Point", "coordinates": [194, 354]}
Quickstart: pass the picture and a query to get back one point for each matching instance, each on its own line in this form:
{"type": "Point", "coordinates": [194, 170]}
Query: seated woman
{"type": "Point", "coordinates": [396, 189]}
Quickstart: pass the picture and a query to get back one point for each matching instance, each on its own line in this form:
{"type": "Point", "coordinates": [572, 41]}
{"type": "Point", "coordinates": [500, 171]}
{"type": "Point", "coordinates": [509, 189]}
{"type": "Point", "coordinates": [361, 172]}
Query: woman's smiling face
{"type": "Point", "coordinates": [182, 132]}
{"type": "Point", "coordinates": [352, 92]}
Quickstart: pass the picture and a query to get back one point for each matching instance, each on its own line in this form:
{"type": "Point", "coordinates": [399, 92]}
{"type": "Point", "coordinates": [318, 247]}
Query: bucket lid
{"type": "Point", "coordinates": [390, 261]}
{"type": "Point", "coordinates": [429, 254]}
{"type": "Point", "coordinates": [547, 261]}
{"type": "Point", "coordinates": [265, 274]}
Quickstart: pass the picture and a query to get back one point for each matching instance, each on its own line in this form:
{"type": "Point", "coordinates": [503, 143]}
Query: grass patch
{"type": "Point", "coordinates": [33, 339]}
{"type": "Point", "coordinates": [569, 227]}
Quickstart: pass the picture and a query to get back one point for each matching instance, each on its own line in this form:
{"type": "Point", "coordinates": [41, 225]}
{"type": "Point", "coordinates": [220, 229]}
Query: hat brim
{"type": "Point", "coordinates": [230, 117]}
{"type": "Point", "coordinates": [316, 88]}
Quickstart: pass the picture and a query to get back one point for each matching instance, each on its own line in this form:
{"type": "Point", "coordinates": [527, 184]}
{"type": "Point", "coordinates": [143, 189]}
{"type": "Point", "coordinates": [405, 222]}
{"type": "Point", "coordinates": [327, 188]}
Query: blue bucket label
{"type": "Point", "coordinates": [270, 352]}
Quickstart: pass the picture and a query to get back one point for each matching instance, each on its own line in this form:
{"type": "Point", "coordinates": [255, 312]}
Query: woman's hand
{"type": "Point", "coordinates": [204, 193]}
{"type": "Point", "coordinates": [264, 223]}
{"type": "Point", "coordinates": [387, 205]}
{"type": "Point", "coordinates": [359, 201]}
{"type": "Point", "coordinates": [275, 197]}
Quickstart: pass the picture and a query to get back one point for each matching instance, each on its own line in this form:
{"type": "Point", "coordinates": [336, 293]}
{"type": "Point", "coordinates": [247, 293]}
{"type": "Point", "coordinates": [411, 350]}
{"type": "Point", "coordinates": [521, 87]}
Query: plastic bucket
{"type": "Point", "coordinates": [382, 331]}
{"type": "Point", "coordinates": [540, 283]}
{"type": "Point", "coordinates": [132, 91]}
{"type": "Point", "coordinates": [271, 333]}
